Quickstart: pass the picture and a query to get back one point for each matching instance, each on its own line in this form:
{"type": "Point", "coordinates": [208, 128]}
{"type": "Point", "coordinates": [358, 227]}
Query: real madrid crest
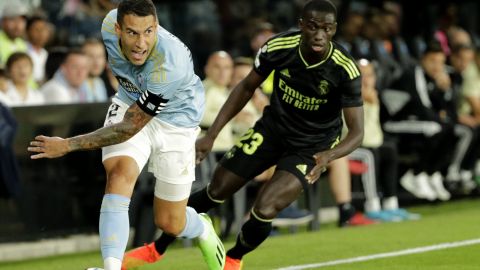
{"type": "Point", "coordinates": [323, 87]}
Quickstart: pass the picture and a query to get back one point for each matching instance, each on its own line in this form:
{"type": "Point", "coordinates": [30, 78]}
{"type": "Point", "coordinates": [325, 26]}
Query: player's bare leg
{"type": "Point", "coordinates": [275, 195]}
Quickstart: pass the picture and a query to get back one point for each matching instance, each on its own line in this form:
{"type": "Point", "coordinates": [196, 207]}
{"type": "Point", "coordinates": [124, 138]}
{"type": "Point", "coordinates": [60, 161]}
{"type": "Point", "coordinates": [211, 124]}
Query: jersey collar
{"type": "Point", "coordinates": [319, 63]}
{"type": "Point", "coordinates": [122, 55]}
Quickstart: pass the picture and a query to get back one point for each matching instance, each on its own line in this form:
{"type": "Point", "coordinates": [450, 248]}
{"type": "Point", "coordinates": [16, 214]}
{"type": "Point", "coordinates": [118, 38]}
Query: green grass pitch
{"type": "Point", "coordinates": [441, 223]}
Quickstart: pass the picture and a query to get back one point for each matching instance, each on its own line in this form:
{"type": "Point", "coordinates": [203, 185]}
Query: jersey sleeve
{"type": "Point", "coordinates": [352, 93]}
{"type": "Point", "coordinates": [108, 26]}
{"type": "Point", "coordinates": [110, 40]}
{"type": "Point", "coordinates": [351, 82]}
{"type": "Point", "coordinates": [264, 61]}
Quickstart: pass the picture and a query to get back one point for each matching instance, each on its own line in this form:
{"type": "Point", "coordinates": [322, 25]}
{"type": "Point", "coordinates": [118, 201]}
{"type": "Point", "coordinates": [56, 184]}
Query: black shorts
{"type": "Point", "coordinates": [260, 148]}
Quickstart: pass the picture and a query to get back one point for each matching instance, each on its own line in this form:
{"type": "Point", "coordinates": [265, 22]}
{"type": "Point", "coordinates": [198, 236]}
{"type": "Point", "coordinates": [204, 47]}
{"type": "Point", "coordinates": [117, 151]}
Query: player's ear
{"type": "Point", "coordinates": [300, 23]}
{"type": "Point", "coordinates": [118, 29]}
{"type": "Point", "coordinates": [334, 28]}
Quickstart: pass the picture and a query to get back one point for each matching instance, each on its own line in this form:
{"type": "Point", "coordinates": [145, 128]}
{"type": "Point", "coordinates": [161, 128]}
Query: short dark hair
{"type": "Point", "coordinates": [433, 46]}
{"type": "Point", "coordinates": [15, 57]}
{"type": "Point", "coordinates": [320, 5]}
{"type": "Point", "coordinates": [140, 8]}
{"type": "Point", "coordinates": [72, 51]}
{"type": "Point", "coordinates": [56, 55]}
{"type": "Point", "coordinates": [92, 41]}
{"type": "Point", "coordinates": [34, 19]}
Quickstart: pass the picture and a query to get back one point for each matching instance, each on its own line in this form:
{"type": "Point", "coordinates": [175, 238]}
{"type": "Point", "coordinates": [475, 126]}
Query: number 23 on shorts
{"type": "Point", "coordinates": [249, 147]}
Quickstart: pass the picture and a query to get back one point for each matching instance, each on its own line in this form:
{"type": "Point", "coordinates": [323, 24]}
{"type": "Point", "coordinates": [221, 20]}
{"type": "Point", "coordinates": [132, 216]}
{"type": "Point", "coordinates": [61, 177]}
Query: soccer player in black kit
{"type": "Point", "coordinates": [315, 80]}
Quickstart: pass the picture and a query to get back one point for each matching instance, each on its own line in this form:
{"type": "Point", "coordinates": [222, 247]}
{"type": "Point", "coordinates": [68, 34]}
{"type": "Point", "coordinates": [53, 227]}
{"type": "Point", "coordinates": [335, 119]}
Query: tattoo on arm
{"type": "Point", "coordinates": [133, 121]}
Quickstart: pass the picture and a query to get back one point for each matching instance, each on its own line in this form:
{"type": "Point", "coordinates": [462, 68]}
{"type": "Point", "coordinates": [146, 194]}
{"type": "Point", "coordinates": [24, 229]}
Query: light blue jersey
{"type": "Point", "coordinates": [168, 71]}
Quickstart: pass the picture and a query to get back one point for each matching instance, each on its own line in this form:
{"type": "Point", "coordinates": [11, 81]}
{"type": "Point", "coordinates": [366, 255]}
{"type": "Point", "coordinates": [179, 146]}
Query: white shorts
{"type": "Point", "coordinates": [170, 149]}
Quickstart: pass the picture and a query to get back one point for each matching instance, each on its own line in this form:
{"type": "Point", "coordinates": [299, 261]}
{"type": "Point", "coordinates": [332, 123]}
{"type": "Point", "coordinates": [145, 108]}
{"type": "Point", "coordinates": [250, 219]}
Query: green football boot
{"type": "Point", "coordinates": [212, 247]}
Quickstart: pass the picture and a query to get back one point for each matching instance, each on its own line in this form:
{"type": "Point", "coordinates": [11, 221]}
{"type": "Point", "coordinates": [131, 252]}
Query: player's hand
{"type": "Point", "coordinates": [321, 161]}
{"type": "Point", "coordinates": [202, 147]}
{"type": "Point", "coordinates": [48, 147]}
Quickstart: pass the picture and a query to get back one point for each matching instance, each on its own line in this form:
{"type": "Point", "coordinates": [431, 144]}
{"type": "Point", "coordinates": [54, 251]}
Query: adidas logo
{"type": "Point", "coordinates": [230, 153]}
{"type": "Point", "coordinates": [285, 72]}
{"type": "Point", "coordinates": [220, 254]}
{"type": "Point", "coordinates": [302, 168]}
{"type": "Point", "coordinates": [185, 171]}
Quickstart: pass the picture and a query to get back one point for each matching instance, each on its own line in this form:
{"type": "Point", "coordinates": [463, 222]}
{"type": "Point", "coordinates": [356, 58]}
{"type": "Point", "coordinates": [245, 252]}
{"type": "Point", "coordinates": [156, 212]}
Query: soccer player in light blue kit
{"type": "Point", "coordinates": [154, 117]}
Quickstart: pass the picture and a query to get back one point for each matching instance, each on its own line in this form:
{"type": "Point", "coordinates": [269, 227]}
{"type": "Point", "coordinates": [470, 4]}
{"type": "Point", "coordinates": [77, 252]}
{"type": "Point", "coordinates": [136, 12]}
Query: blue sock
{"type": "Point", "coordinates": [193, 225]}
{"type": "Point", "coordinates": [114, 225]}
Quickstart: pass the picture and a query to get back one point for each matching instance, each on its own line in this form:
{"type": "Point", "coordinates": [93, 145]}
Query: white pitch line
{"type": "Point", "coordinates": [385, 255]}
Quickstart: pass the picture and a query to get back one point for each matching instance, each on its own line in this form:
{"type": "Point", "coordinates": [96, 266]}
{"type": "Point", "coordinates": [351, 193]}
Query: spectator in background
{"type": "Point", "coordinates": [20, 70]}
{"type": "Point", "coordinates": [447, 21]}
{"type": "Point", "coordinates": [467, 129]}
{"type": "Point", "coordinates": [254, 108]}
{"type": "Point", "coordinates": [377, 33]}
{"type": "Point", "coordinates": [340, 181]}
{"type": "Point", "coordinates": [457, 36]}
{"type": "Point", "coordinates": [111, 82]}
{"type": "Point", "coordinates": [39, 32]}
{"type": "Point", "coordinates": [218, 73]}
{"type": "Point", "coordinates": [95, 50]}
{"type": "Point", "coordinates": [394, 44]}
{"type": "Point", "coordinates": [424, 123]}
{"type": "Point", "coordinates": [384, 152]}
{"type": "Point", "coordinates": [56, 56]}
{"type": "Point", "coordinates": [349, 36]}
{"type": "Point", "coordinates": [69, 84]}
{"type": "Point", "coordinates": [79, 20]}
{"type": "Point", "coordinates": [262, 33]}
{"type": "Point", "coordinates": [13, 24]}
{"type": "Point", "coordinates": [469, 106]}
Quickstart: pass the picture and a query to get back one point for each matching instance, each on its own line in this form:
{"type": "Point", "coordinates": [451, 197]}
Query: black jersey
{"type": "Point", "coordinates": [307, 100]}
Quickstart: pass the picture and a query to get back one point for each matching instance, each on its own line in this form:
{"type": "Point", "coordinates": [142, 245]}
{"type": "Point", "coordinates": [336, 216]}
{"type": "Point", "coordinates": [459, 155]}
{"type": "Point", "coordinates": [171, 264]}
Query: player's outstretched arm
{"type": "Point", "coordinates": [52, 147]}
{"type": "Point", "coordinates": [237, 99]}
{"type": "Point", "coordinates": [354, 121]}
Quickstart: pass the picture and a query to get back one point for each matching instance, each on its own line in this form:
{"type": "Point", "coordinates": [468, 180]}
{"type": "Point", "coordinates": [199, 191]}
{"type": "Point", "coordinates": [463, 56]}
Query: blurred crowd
{"type": "Point", "coordinates": [420, 64]}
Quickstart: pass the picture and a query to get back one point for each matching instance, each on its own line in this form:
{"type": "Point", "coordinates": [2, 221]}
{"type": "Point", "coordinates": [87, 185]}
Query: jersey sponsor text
{"type": "Point", "coordinates": [292, 96]}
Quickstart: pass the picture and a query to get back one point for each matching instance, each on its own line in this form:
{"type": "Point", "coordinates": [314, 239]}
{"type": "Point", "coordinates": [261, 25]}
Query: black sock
{"type": "Point", "coordinates": [163, 242]}
{"type": "Point", "coordinates": [201, 202]}
{"type": "Point", "coordinates": [346, 211]}
{"type": "Point", "coordinates": [253, 233]}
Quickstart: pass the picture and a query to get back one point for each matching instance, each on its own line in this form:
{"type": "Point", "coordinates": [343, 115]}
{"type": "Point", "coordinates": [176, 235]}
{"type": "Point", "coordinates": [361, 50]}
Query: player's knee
{"type": "Point", "coordinates": [170, 225]}
{"type": "Point", "coordinates": [119, 177]}
{"type": "Point", "coordinates": [266, 211]}
{"type": "Point", "coordinates": [216, 193]}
